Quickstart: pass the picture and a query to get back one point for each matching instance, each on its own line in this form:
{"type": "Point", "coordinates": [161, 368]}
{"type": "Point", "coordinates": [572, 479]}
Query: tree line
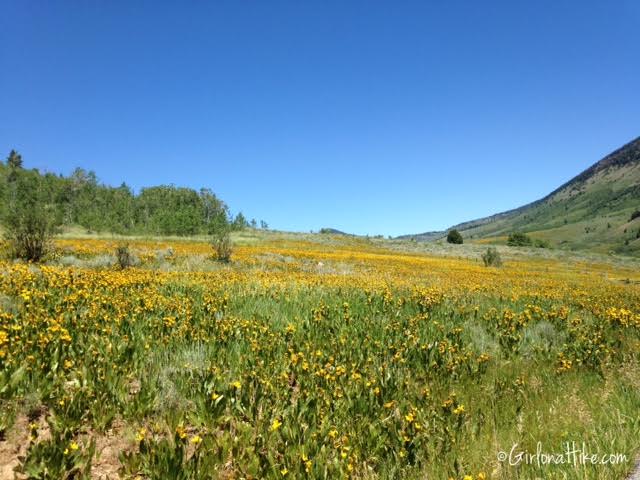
{"type": "Point", "coordinates": [80, 199]}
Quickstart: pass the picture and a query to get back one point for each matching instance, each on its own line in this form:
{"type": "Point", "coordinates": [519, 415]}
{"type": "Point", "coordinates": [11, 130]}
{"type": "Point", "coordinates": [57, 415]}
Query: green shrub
{"type": "Point", "coordinates": [222, 245]}
{"type": "Point", "coordinates": [491, 258]}
{"type": "Point", "coordinates": [539, 243]}
{"type": "Point", "coordinates": [455, 237]}
{"type": "Point", "coordinates": [519, 239]}
{"type": "Point", "coordinates": [123, 256]}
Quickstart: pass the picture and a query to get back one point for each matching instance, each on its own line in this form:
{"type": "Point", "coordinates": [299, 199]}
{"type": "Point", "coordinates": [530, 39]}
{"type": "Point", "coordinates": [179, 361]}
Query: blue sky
{"type": "Point", "coordinates": [367, 116]}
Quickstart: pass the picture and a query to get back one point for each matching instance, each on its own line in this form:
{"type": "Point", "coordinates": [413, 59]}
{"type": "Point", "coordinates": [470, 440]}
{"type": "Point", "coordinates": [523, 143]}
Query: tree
{"type": "Point", "coordinates": [216, 213]}
{"type": "Point", "coordinates": [80, 199]}
{"type": "Point", "coordinates": [264, 225]}
{"type": "Point", "coordinates": [31, 218]}
{"type": "Point", "coordinates": [240, 222]}
{"type": "Point", "coordinates": [170, 210]}
{"type": "Point", "coordinates": [455, 237]}
{"type": "Point", "coordinates": [14, 160]}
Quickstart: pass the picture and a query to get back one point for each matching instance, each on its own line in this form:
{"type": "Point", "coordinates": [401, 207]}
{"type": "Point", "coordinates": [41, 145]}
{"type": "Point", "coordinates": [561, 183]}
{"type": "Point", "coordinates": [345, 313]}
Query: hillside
{"type": "Point", "coordinates": [591, 211]}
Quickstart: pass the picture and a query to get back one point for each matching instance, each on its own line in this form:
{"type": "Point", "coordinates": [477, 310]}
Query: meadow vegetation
{"type": "Point", "coordinates": [313, 357]}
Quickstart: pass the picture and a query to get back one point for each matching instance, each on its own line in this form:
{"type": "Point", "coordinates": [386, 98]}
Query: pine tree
{"type": "Point", "coordinates": [14, 160]}
{"type": "Point", "coordinates": [454, 237]}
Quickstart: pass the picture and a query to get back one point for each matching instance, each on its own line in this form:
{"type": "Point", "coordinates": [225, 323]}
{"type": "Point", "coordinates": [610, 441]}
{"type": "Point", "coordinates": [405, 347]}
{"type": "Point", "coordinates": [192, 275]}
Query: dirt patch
{"type": "Point", "coordinates": [106, 463]}
{"type": "Point", "coordinates": [13, 446]}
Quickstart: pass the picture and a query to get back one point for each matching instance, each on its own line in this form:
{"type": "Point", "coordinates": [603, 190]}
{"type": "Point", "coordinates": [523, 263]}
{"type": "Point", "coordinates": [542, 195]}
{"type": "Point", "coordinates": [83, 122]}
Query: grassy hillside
{"type": "Point", "coordinates": [591, 211]}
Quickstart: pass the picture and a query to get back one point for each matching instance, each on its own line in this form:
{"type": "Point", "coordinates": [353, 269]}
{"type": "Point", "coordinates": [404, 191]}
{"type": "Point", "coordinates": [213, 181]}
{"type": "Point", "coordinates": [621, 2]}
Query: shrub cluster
{"type": "Point", "coordinates": [222, 245]}
{"type": "Point", "coordinates": [519, 239]}
{"type": "Point", "coordinates": [539, 243]}
{"type": "Point", "coordinates": [124, 256]}
{"type": "Point", "coordinates": [491, 258]}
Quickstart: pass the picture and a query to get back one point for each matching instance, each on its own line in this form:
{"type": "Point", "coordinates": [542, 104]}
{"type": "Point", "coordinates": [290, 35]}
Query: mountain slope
{"type": "Point", "coordinates": [590, 211]}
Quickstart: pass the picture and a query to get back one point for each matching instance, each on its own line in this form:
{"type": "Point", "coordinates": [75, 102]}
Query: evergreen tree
{"type": "Point", "coordinates": [14, 160]}
{"type": "Point", "coordinates": [455, 237]}
{"type": "Point", "coordinates": [240, 222]}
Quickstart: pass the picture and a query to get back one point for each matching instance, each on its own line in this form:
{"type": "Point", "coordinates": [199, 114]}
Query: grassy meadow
{"type": "Point", "coordinates": [315, 356]}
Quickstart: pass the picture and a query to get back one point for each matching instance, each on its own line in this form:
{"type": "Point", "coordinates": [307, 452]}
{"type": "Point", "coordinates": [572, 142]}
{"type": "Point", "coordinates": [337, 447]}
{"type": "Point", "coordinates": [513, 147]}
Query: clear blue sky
{"type": "Point", "coordinates": [367, 116]}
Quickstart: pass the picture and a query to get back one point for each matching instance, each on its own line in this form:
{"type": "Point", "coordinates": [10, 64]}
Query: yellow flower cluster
{"type": "Point", "coordinates": [303, 358]}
